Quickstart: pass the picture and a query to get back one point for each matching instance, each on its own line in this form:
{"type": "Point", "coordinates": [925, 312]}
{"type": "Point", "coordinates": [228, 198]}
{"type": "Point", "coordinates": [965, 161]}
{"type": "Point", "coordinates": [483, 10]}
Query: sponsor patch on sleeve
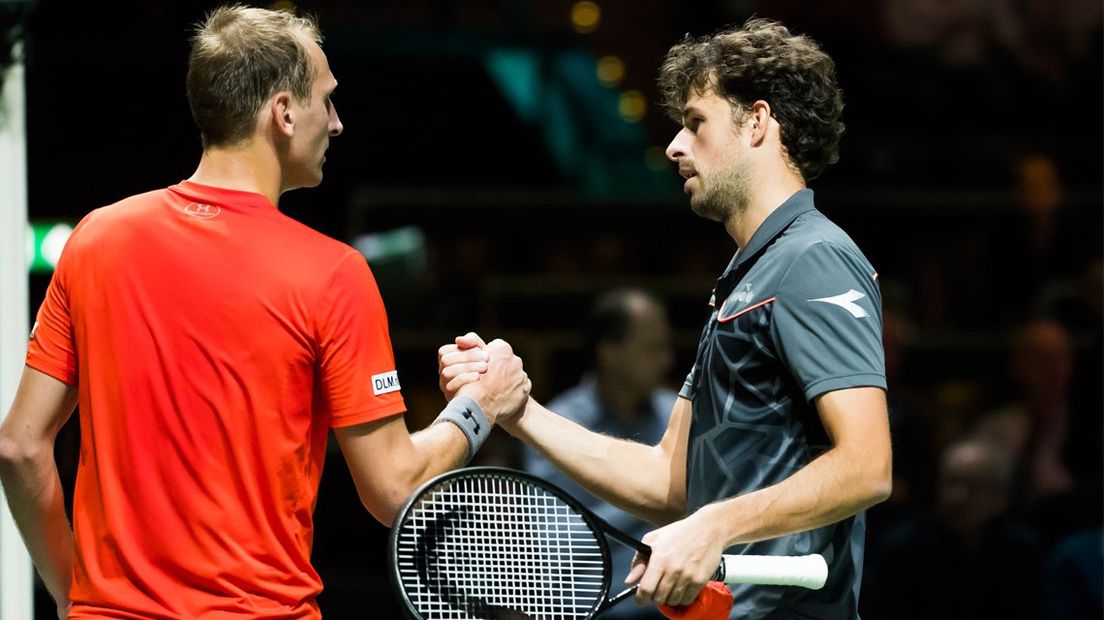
{"type": "Point", "coordinates": [386, 382]}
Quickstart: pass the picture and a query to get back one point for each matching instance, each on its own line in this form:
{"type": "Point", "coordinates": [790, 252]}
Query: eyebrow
{"type": "Point", "coordinates": [689, 110]}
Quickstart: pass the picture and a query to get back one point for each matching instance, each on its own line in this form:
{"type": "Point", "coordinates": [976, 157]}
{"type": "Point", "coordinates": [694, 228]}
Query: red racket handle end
{"type": "Point", "coordinates": [714, 602]}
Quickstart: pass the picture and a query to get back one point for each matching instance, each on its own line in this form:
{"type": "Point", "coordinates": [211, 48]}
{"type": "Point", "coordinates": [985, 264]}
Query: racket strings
{"type": "Point", "coordinates": [498, 548]}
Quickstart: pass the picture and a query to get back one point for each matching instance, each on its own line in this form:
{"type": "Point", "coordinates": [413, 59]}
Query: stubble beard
{"type": "Point", "coordinates": [727, 196]}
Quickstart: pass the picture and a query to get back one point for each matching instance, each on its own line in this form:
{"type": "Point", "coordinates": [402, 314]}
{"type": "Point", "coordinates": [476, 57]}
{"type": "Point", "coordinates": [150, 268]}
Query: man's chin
{"type": "Point", "coordinates": [307, 183]}
{"type": "Point", "coordinates": [315, 179]}
{"type": "Point", "coordinates": [706, 209]}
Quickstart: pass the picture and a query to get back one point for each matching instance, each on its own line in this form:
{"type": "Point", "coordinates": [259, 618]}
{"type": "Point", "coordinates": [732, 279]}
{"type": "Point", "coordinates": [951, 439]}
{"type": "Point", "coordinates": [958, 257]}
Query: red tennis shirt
{"type": "Point", "coordinates": [214, 342]}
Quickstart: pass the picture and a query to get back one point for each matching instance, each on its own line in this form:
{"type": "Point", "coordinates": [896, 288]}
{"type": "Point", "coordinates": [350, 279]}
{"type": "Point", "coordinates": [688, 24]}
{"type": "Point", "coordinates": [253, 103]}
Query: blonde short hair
{"type": "Point", "coordinates": [240, 57]}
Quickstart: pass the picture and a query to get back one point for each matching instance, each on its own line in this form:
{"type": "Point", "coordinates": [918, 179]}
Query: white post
{"type": "Point", "coordinates": [16, 574]}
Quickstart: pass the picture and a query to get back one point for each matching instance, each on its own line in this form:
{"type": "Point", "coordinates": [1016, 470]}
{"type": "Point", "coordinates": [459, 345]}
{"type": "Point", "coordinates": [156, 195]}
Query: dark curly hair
{"type": "Point", "coordinates": [763, 60]}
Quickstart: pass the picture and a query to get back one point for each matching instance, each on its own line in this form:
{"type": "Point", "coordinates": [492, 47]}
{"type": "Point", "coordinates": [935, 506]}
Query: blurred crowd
{"type": "Point", "coordinates": [953, 93]}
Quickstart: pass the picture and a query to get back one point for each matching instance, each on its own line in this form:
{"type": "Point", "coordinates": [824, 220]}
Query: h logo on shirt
{"type": "Point", "coordinates": [202, 211]}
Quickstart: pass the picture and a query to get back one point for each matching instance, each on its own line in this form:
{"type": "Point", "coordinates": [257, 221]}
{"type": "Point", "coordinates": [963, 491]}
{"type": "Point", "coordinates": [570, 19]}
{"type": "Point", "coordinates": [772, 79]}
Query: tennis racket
{"type": "Point", "coordinates": [497, 544]}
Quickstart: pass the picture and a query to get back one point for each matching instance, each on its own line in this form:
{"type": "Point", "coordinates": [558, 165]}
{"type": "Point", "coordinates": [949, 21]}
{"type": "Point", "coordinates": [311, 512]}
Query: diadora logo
{"type": "Point", "coordinates": [202, 211]}
{"type": "Point", "coordinates": [385, 382]}
{"type": "Point", "coordinates": [847, 302]}
{"type": "Point", "coordinates": [744, 296]}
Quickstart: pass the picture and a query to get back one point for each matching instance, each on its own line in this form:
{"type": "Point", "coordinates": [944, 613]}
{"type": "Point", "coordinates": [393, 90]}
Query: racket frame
{"type": "Point", "coordinates": [598, 527]}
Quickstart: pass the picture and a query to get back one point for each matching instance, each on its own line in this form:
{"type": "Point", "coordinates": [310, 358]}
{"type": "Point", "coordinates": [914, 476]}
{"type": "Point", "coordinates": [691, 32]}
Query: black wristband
{"type": "Point", "coordinates": [468, 416]}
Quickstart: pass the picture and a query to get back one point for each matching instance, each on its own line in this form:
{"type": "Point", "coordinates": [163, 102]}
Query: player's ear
{"type": "Point", "coordinates": [759, 119]}
{"type": "Point", "coordinates": [282, 113]}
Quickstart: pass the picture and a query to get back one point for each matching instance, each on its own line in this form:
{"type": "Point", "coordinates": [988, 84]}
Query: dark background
{"type": "Point", "coordinates": [964, 118]}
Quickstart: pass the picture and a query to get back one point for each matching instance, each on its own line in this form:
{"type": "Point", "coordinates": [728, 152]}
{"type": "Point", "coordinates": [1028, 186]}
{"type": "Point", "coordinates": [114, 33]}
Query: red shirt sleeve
{"type": "Point", "coordinates": [357, 367]}
{"type": "Point", "coordinates": [52, 349]}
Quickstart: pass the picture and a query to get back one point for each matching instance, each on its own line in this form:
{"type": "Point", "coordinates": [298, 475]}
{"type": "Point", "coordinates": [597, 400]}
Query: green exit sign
{"type": "Point", "coordinates": [45, 240]}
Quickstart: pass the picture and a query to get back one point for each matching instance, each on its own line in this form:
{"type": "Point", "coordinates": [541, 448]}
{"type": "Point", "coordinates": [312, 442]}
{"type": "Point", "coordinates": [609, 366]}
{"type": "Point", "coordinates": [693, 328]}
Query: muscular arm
{"type": "Point", "coordinates": [29, 474]}
{"type": "Point", "coordinates": [388, 463]}
{"type": "Point", "coordinates": [649, 481]}
{"type": "Point", "coordinates": [854, 474]}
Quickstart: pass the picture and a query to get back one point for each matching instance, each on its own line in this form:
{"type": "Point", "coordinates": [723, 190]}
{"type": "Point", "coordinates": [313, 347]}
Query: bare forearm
{"type": "Point", "coordinates": [387, 463]}
{"type": "Point", "coordinates": [831, 488]}
{"type": "Point", "coordinates": [438, 448]}
{"type": "Point", "coordinates": [29, 475]}
{"type": "Point", "coordinates": [633, 476]}
{"type": "Point", "coordinates": [34, 494]}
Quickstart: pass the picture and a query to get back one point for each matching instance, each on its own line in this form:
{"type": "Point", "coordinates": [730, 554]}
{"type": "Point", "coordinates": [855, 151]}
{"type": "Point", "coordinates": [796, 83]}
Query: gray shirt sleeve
{"type": "Point", "coordinates": [827, 321]}
{"type": "Point", "coordinates": [687, 390]}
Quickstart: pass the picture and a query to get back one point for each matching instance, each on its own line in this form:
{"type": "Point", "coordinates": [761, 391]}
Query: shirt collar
{"type": "Point", "coordinates": [221, 196]}
{"type": "Point", "coordinates": [778, 220]}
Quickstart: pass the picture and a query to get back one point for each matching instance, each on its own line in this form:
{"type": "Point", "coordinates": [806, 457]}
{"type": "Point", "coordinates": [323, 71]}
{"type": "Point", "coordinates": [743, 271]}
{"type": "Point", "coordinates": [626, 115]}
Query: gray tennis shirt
{"type": "Point", "coordinates": [796, 314]}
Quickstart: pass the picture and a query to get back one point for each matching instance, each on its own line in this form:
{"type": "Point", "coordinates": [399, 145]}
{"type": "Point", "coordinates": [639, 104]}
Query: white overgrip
{"type": "Point", "coordinates": [807, 571]}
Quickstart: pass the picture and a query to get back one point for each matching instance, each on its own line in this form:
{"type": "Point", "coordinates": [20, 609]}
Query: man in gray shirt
{"type": "Point", "coordinates": [780, 437]}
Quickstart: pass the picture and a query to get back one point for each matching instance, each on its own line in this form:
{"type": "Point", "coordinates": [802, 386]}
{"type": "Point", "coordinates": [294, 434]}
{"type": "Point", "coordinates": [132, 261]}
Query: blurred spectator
{"type": "Point", "coordinates": [628, 340]}
{"type": "Point", "coordinates": [1074, 580]}
{"type": "Point", "coordinates": [1045, 246]}
{"type": "Point", "coordinates": [980, 60]}
{"type": "Point", "coordinates": [957, 402]}
{"type": "Point", "coordinates": [1027, 259]}
{"type": "Point", "coordinates": [943, 54]}
{"type": "Point", "coordinates": [964, 34]}
{"type": "Point", "coordinates": [1059, 479]}
{"type": "Point", "coordinates": [968, 560]}
{"type": "Point", "coordinates": [1033, 426]}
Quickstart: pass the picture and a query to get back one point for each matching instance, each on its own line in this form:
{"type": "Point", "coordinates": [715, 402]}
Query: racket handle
{"type": "Point", "coordinates": [807, 571]}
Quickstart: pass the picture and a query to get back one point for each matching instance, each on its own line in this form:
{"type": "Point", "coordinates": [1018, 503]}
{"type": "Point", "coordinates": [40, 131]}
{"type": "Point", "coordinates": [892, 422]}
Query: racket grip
{"type": "Point", "coordinates": [807, 571]}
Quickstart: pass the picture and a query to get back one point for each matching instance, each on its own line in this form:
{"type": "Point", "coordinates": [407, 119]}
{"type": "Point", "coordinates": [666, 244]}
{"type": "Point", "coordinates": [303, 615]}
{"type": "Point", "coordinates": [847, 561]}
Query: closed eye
{"type": "Point", "coordinates": [328, 99]}
{"type": "Point", "coordinates": [691, 118]}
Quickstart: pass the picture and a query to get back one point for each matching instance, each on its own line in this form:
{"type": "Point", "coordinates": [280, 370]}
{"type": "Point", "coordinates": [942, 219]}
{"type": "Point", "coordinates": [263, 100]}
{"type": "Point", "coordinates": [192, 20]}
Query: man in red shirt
{"type": "Point", "coordinates": [211, 343]}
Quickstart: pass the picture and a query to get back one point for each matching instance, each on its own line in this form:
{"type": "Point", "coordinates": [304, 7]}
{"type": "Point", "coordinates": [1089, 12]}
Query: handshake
{"type": "Point", "coordinates": [488, 373]}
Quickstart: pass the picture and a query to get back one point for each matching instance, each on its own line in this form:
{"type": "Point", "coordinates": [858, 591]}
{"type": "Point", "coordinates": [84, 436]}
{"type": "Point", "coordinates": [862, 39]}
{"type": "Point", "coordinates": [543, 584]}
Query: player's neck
{"type": "Point", "coordinates": [247, 168]}
{"type": "Point", "coordinates": [767, 192]}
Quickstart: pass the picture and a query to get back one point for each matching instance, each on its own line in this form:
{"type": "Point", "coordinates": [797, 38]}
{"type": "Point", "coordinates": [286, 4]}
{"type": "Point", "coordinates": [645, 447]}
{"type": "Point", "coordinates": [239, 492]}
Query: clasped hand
{"type": "Point", "coordinates": [490, 373]}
